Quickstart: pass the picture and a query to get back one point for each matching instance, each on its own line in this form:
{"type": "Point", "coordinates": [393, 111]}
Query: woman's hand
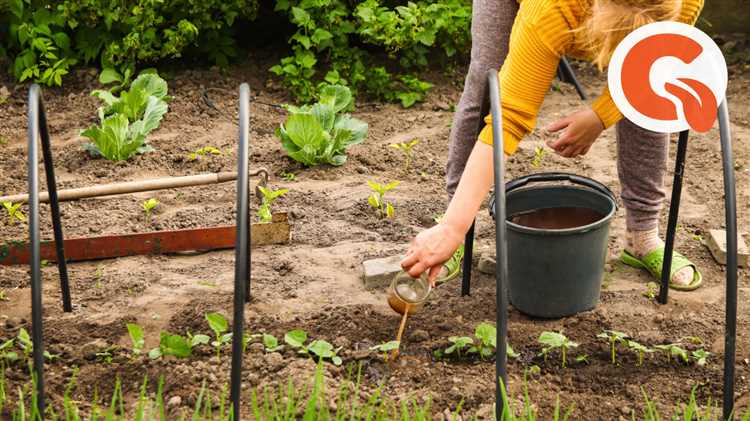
{"type": "Point", "coordinates": [581, 130]}
{"type": "Point", "coordinates": [430, 249]}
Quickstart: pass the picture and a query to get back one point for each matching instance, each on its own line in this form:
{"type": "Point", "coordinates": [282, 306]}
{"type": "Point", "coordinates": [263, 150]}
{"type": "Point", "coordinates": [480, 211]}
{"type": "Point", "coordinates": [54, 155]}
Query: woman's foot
{"type": "Point", "coordinates": [641, 243]}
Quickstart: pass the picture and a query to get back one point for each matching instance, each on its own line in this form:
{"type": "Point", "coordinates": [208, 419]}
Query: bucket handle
{"type": "Point", "coordinates": [561, 176]}
{"type": "Point", "coordinates": [554, 176]}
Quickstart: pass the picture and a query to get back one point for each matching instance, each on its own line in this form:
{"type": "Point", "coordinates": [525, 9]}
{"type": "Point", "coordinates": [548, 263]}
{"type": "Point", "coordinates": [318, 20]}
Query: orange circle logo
{"type": "Point", "coordinates": [668, 77]}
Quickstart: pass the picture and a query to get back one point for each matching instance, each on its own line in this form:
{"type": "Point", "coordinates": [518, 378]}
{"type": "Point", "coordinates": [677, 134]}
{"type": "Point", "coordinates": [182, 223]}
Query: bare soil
{"type": "Point", "coordinates": [315, 282]}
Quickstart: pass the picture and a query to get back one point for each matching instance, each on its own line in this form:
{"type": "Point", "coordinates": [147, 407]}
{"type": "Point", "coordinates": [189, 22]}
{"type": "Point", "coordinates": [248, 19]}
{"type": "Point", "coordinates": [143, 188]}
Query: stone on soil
{"type": "Point", "coordinates": [380, 272]}
{"type": "Point", "coordinates": [487, 264]}
{"type": "Point", "coordinates": [716, 243]}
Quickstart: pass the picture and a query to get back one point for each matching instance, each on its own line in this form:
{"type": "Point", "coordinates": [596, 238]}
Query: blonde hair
{"type": "Point", "coordinates": [609, 21]}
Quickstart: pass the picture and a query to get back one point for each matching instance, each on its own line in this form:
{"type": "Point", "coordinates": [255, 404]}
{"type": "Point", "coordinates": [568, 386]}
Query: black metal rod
{"type": "Point", "coordinates": [468, 256]}
{"type": "Point", "coordinates": [566, 75]}
{"type": "Point", "coordinates": [35, 99]}
{"type": "Point", "coordinates": [500, 246]}
{"type": "Point", "coordinates": [49, 168]}
{"type": "Point", "coordinates": [242, 249]}
{"type": "Point", "coordinates": [730, 213]}
{"type": "Point", "coordinates": [674, 209]}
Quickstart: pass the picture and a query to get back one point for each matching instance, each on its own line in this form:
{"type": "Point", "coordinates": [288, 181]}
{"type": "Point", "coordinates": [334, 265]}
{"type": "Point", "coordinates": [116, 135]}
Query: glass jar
{"type": "Point", "coordinates": [406, 294]}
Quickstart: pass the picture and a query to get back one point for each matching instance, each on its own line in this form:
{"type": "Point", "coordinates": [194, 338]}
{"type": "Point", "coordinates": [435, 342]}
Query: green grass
{"type": "Point", "coordinates": [307, 402]}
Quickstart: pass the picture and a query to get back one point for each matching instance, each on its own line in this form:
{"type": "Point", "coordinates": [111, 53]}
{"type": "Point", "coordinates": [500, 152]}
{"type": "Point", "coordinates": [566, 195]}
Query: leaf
{"type": "Point", "coordinates": [389, 211]}
{"type": "Point", "coordinates": [152, 116]}
{"type": "Point", "coordinates": [174, 345]}
{"type": "Point", "coordinates": [391, 186]}
{"type": "Point", "coordinates": [373, 201]}
{"type": "Point", "coordinates": [338, 97]}
{"type": "Point", "coordinates": [155, 353]}
{"type": "Point", "coordinates": [387, 346]}
{"type": "Point", "coordinates": [487, 334]}
{"type": "Point", "coordinates": [136, 337]}
{"type": "Point", "coordinates": [509, 351]}
{"type": "Point", "coordinates": [217, 323]}
{"type": "Point", "coordinates": [320, 35]}
{"type": "Point", "coordinates": [321, 348]}
{"type": "Point", "coordinates": [356, 129]}
{"type": "Point", "coordinates": [199, 339]}
{"type": "Point", "coordinates": [151, 84]}
{"type": "Point", "coordinates": [552, 339]}
{"type": "Point", "coordinates": [336, 360]}
{"type": "Point", "coordinates": [105, 96]}
{"type": "Point", "coordinates": [109, 75]}
{"type": "Point", "coordinates": [270, 342]}
{"type": "Point", "coordinates": [16, 7]}
{"type": "Point", "coordinates": [296, 338]}
{"type": "Point", "coordinates": [112, 139]}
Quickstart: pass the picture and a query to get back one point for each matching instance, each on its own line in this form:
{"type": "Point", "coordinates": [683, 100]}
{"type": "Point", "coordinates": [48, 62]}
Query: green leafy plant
{"type": "Point", "coordinates": [106, 355]}
{"type": "Point", "coordinates": [219, 326]}
{"type": "Point", "coordinates": [377, 198]}
{"type": "Point", "coordinates": [459, 344]}
{"type": "Point", "coordinates": [700, 356]}
{"type": "Point", "coordinates": [324, 350]}
{"type": "Point", "coordinates": [673, 350]}
{"type": "Point", "coordinates": [385, 348]}
{"type": "Point", "coordinates": [407, 149]}
{"type": "Point", "coordinates": [172, 345]}
{"type": "Point", "coordinates": [614, 337]}
{"type": "Point", "coordinates": [206, 150]}
{"type": "Point", "coordinates": [321, 133]}
{"type": "Point", "coordinates": [137, 338]}
{"type": "Point", "coordinates": [416, 90]}
{"type": "Point", "coordinates": [639, 350]}
{"type": "Point", "coordinates": [271, 343]}
{"type": "Point", "coordinates": [539, 153]}
{"type": "Point", "coordinates": [652, 290]}
{"type": "Point", "coordinates": [148, 206]}
{"type": "Point", "coordinates": [14, 212]}
{"type": "Point", "coordinates": [556, 340]}
{"type": "Point", "coordinates": [264, 211]}
{"type": "Point", "coordinates": [296, 338]}
{"type": "Point", "coordinates": [23, 340]}
{"type": "Point", "coordinates": [487, 334]}
{"type": "Point", "coordinates": [5, 352]}
{"type": "Point", "coordinates": [127, 120]}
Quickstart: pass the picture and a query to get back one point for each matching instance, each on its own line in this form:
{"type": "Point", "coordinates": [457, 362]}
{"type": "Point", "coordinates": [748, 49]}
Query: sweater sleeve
{"type": "Point", "coordinates": [524, 80]}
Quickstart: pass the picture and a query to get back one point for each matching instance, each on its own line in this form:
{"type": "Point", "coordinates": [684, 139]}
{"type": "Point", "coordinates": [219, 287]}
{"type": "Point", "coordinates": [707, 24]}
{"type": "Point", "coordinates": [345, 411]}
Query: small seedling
{"type": "Point", "coordinates": [271, 343]}
{"type": "Point", "coordinates": [534, 370]}
{"type": "Point", "coordinates": [14, 212]}
{"type": "Point", "coordinates": [539, 153]}
{"type": "Point", "coordinates": [487, 335]}
{"type": "Point", "coordinates": [219, 325]}
{"type": "Point", "coordinates": [136, 337]}
{"type": "Point", "coordinates": [509, 352]}
{"type": "Point", "coordinates": [673, 350]}
{"type": "Point", "coordinates": [288, 176]}
{"type": "Point", "coordinates": [264, 211]}
{"type": "Point", "coordinates": [459, 344]}
{"type": "Point", "coordinates": [385, 348]}
{"type": "Point", "coordinates": [206, 150]}
{"type": "Point", "coordinates": [324, 349]}
{"type": "Point", "coordinates": [5, 354]}
{"type": "Point", "coordinates": [377, 198]}
{"type": "Point", "coordinates": [3, 295]}
{"type": "Point", "coordinates": [700, 356]}
{"type": "Point", "coordinates": [23, 340]}
{"type": "Point", "coordinates": [693, 340]}
{"type": "Point", "coordinates": [639, 350]}
{"type": "Point", "coordinates": [614, 337]}
{"type": "Point", "coordinates": [582, 359]}
{"type": "Point", "coordinates": [556, 340]}
{"type": "Point", "coordinates": [174, 345]}
{"type": "Point", "coordinates": [105, 355]}
{"type": "Point", "coordinates": [296, 339]}
{"type": "Point", "coordinates": [652, 290]}
{"type": "Point", "coordinates": [199, 339]}
{"type": "Point", "coordinates": [148, 206]}
{"type": "Point", "coordinates": [407, 149]}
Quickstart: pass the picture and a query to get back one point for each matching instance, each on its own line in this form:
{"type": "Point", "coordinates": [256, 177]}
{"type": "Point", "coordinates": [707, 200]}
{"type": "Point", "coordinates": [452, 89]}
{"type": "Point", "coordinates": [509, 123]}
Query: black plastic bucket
{"type": "Point", "coordinates": [556, 272]}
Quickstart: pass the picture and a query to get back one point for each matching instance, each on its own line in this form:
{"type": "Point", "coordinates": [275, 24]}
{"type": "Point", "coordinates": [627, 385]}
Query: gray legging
{"type": "Point", "coordinates": [641, 154]}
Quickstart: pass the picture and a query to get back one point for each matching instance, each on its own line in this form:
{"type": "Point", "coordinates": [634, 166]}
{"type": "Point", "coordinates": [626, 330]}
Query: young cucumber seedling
{"type": "Point", "coordinates": [377, 198]}
{"type": "Point", "coordinates": [614, 337]}
{"type": "Point", "coordinates": [264, 211]}
{"type": "Point", "coordinates": [219, 326]}
{"type": "Point", "coordinates": [148, 206]}
{"type": "Point", "coordinates": [556, 340]}
{"type": "Point", "coordinates": [136, 337]}
{"type": "Point", "coordinates": [407, 149]}
{"type": "Point", "coordinates": [14, 212]}
{"type": "Point", "coordinates": [206, 150]}
{"type": "Point", "coordinates": [673, 350]}
{"type": "Point", "coordinates": [385, 348]}
{"type": "Point", "coordinates": [639, 350]}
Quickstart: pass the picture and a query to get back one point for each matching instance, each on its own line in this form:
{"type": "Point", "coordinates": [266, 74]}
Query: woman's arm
{"type": "Point", "coordinates": [433, 247]}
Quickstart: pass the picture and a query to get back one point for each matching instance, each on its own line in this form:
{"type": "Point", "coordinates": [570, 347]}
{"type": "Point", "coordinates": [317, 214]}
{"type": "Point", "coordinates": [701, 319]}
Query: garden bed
{"type": "Point", "coordinates": [314, 283]}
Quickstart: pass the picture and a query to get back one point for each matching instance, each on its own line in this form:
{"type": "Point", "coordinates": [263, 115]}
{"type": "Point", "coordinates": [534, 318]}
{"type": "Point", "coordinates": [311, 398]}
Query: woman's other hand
{"type": "Point", "coordinates": [581, 131]}
{"type": "Point", "coordinates": [430, 249]}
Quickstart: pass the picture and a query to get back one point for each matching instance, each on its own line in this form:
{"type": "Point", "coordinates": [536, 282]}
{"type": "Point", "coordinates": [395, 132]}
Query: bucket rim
{"type": "Point", "coordinates": [604, 220]}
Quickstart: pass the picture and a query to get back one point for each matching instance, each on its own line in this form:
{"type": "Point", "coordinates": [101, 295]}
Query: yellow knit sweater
{"type": "Point", "coordinates": [541, 35]}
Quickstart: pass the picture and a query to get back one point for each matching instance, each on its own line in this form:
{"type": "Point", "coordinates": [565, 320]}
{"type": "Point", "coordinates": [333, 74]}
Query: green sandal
{"type": "Point", "coordinates": [654, 261]}
{"type": "Point", "coordinates": [452, 267]}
